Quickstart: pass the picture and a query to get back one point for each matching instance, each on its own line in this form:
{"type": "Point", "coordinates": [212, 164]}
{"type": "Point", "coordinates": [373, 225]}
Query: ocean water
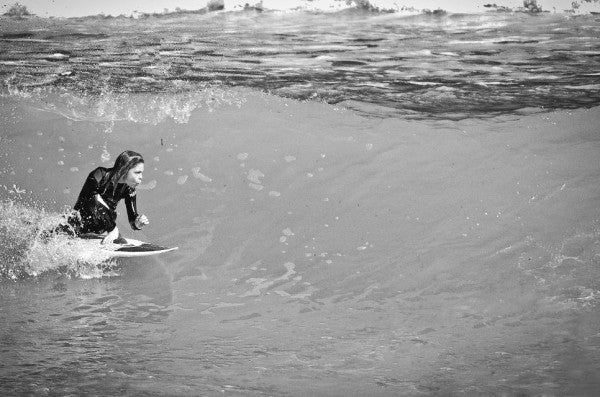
{"type": "Point", "coordinates": [364, 204]}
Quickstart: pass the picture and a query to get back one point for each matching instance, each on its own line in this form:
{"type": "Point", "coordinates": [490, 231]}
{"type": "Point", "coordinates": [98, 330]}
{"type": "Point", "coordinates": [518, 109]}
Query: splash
{"type": "Point", "coordinates": [109, 106]}
{"type": "Point", "coordinates": [30, 249]}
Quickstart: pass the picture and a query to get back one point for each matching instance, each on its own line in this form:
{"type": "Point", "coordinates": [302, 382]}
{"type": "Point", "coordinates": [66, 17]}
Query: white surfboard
{"type": "Point", "coordinates": [131, 249]}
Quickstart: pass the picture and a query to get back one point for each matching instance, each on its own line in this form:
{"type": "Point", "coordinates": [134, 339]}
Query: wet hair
{"type": "Point", "coordinates": [126, 161]}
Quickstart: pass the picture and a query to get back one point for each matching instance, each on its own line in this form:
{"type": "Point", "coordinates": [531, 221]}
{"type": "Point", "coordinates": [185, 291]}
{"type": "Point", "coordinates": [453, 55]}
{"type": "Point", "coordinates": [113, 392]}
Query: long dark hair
{"type": "Point", "coordinates": [126, 161]}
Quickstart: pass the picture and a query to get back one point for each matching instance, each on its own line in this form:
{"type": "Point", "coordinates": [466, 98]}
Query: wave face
{"type": "Point", "coordinates": [446, 66]}
{"type": "Point", "coordinates": [396, 256]}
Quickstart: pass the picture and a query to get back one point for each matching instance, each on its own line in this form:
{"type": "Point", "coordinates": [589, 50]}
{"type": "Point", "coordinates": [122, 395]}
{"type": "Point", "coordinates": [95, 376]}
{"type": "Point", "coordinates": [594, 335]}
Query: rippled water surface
{"type": "Point", "coordinates": [448, 66]}
{"type": "Point", "coordinates": [367, 205]}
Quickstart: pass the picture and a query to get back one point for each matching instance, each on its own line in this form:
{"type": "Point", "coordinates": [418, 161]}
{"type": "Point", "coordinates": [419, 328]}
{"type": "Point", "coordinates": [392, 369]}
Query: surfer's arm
{"type": "Point", "coordinates": [136, 221]}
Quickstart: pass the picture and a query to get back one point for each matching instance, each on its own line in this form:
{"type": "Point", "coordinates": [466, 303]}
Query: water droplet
{"type": "Point", "coordinates": [198, 175]}
{"type": "Point", "coordinates": [255, 176]}
{"type": "Point", "coordinates": [182, 179]}
{"type": "Point", "coordinates": [105, 157]}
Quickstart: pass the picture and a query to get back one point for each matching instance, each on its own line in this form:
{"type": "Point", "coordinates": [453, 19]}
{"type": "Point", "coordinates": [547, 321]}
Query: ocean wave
{"type": "Point", "coordinates": [430, 7]}
{"type": "Point", "coordinates": [197, 61]}
{"type": "Point", "coordinates": [406, 7]}
{"type": "Point", "coordinates": [288, 6]}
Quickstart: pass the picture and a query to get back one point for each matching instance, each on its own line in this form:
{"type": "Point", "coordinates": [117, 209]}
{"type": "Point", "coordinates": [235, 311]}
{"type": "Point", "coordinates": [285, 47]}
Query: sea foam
{"type": "Point", "coordinates": [30, 247]}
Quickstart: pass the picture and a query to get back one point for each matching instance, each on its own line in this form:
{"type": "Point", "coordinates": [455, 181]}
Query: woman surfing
{"type": "Point", "coordinates": [96, 205]}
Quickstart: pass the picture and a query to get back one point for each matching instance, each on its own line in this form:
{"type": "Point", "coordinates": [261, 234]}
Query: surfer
{"type": "Point", "coordinates": [96, 205]}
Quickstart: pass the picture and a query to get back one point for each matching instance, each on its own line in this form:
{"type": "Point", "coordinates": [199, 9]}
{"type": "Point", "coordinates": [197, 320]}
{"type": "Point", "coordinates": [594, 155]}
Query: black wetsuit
{"type": "Point", "coordinates": [94, 216]}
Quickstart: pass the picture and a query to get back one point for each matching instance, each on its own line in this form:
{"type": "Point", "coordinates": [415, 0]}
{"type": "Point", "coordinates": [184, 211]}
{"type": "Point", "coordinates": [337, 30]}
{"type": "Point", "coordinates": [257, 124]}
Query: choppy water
{"type": "Point", "coordinates": [392, 242]}
{"type": "Point", "coordinates": [434, 66]}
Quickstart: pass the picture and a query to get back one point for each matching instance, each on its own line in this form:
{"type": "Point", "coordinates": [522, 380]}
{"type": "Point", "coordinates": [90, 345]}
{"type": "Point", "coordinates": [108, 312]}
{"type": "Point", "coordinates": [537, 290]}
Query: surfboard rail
{"type": "Point", "coordinates": [132, 248]}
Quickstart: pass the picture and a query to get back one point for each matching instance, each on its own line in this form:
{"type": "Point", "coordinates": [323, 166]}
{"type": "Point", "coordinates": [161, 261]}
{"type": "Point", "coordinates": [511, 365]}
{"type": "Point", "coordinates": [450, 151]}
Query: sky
{"type": "Point", "coordinates": [71, 8]}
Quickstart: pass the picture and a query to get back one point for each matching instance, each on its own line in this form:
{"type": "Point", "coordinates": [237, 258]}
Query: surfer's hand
{"type": "Point", "coordinates": [141, 221]}
{"type": "Point", "coordinates": [111, 236]}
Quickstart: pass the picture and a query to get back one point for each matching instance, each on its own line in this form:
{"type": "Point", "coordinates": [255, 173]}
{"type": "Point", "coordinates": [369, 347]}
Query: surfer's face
{"type": "Point", "coordinates": [134, 176]}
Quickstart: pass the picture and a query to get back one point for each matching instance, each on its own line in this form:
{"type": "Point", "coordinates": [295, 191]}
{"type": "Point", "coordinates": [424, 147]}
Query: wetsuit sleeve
{"type": "Point", "coordinates": [131, 205]}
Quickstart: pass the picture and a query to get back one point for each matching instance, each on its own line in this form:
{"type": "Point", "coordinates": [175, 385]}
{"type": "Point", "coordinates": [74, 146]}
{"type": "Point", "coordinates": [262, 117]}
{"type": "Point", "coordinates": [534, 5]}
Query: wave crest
{"type": "Point", "coordinates": [110, 106]}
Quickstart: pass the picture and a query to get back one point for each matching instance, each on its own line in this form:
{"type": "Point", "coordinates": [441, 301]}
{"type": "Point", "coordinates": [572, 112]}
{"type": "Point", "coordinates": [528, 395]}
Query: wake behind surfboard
{"type": "Point", "coordinates": [131, 248]}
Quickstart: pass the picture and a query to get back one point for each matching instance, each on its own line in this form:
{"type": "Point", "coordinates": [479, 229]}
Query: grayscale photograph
{"type": "Point", "coordinates": [300, 198]}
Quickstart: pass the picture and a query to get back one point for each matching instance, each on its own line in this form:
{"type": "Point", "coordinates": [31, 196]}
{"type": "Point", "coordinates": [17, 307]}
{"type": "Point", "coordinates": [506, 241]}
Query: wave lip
{"type": "Point", "coordinates": [407, 7]}
{"type": "Point", "coordinates": [215, 7]}
{"type": "Point", "coordinates": [431, 7]}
